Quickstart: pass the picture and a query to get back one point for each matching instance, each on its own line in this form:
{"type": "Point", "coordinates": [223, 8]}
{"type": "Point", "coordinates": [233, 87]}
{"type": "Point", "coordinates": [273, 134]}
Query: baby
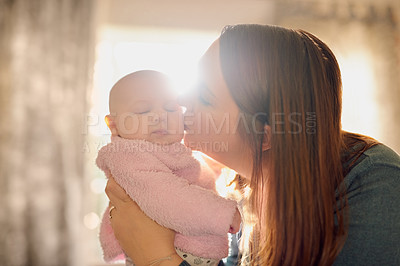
{"type": "Point", "coordinates": [146, 157]}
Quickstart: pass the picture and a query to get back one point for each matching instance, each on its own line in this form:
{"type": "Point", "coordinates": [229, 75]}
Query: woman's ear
{"type": "Point", "coordinates": [266, 143]}
{"type": "Point", "coordinates": [111, 125]}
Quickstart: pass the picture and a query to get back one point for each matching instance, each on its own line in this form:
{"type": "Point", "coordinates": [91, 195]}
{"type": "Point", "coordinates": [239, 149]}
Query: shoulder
{"type": "Point", "coordinates": [380, 154]}
{"type": "Point", "coordinates": [377, 164]}
{"type": "Point", "coordinates": [373, 186]}
{"type": "Point", "coordinates": [374, 180]}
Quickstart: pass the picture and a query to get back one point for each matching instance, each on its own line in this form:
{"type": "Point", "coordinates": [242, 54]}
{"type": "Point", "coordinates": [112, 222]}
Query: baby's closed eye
{"type": "Point", "coordinates": [140, 112]}
{"type": "Point", "coordinates": [141, 108]}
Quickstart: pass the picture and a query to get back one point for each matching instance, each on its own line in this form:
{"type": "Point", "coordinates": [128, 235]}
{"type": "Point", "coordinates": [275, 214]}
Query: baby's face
{"type": "Point", "coordinates": [145, 107]}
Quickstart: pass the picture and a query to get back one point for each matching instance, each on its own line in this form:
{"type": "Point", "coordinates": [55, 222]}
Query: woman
{"type": "Point", "coordinates": [319, 195]}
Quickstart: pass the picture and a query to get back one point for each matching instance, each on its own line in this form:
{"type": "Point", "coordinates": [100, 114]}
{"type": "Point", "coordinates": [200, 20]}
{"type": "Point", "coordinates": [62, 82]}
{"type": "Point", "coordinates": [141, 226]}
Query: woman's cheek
{"type": "Point", "coordinates": [200, 132]}
{"type": "Point", "coordinates": [194, 131]}
{"type": "Point", "coordinates": [192, 140]}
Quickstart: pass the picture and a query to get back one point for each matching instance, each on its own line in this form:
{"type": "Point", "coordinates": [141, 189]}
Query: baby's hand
{"type": "Point", "coordinates": [235, 226]}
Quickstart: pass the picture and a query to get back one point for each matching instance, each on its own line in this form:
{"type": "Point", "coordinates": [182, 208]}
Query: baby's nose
{"type": "Point", "coordinates": [160, 117]}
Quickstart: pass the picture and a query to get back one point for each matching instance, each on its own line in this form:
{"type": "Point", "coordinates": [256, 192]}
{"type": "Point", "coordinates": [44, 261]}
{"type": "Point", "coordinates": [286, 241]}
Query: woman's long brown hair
{"type": "Point", "coordinates": [290, 80]}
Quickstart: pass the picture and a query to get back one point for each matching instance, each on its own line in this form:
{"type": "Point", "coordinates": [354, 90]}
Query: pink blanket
{"type": "Point", "coordinates": [173, 189]}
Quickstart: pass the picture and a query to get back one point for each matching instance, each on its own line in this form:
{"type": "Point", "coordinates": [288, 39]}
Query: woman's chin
{"type": "Point", "coordinates": [188, 141]}
{"type": "Point", "coordinates": [194, 142]}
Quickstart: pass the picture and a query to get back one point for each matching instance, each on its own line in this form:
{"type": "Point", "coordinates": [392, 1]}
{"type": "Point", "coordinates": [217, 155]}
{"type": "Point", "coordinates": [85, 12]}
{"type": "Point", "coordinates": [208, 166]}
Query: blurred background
{"type": "Point", "coordinates": [59, 59]}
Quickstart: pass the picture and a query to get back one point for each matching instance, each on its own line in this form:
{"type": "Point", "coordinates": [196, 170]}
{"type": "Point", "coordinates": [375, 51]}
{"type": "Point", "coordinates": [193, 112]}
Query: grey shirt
{"type": "Point", "coordinates": [373, 192]}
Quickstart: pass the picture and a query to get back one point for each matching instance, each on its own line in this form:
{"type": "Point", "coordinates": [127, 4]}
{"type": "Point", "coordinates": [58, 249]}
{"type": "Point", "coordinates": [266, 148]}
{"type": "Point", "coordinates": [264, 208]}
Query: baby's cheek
{"type": "Point", "coordinates": [128, 124]}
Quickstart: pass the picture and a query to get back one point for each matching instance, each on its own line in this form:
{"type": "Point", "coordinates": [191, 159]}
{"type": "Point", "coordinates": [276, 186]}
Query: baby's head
{"type": "Point", "coordinates": [143, 106]}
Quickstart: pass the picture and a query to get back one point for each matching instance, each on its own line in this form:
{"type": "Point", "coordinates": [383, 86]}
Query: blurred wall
{"type": "Point", "coordinates": [206, 15]}
{"type": "Point", "coordinates": [365, 37]}
{"type": "Point", "coordinates": [45, 68]}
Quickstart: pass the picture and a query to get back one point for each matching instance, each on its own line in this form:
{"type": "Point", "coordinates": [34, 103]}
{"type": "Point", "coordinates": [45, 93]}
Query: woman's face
{"type": "Point", "coordinates": [212, 117]}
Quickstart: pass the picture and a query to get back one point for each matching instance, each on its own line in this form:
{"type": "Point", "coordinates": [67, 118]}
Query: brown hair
{"type": "Point", "coordinates": [290, 80]}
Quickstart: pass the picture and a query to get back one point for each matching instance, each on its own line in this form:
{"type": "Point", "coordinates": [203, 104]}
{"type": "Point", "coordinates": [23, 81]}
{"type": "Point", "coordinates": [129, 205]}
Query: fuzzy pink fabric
{"type": "Point", "coordinates": [173, 189]}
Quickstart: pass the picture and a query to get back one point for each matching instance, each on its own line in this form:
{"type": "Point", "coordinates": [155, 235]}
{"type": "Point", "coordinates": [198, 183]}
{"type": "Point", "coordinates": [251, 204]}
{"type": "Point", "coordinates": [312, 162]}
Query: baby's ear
{"type": "Point", "coordinates": [111, 124]}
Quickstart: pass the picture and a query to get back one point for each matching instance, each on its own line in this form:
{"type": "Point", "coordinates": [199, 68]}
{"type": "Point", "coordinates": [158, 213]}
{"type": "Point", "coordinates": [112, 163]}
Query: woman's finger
{"type": "Point", "coordinates": [116, 193]}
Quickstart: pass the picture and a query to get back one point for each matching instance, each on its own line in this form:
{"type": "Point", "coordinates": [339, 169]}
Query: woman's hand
{"type": "Point", "coordinates": [141, 238]}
